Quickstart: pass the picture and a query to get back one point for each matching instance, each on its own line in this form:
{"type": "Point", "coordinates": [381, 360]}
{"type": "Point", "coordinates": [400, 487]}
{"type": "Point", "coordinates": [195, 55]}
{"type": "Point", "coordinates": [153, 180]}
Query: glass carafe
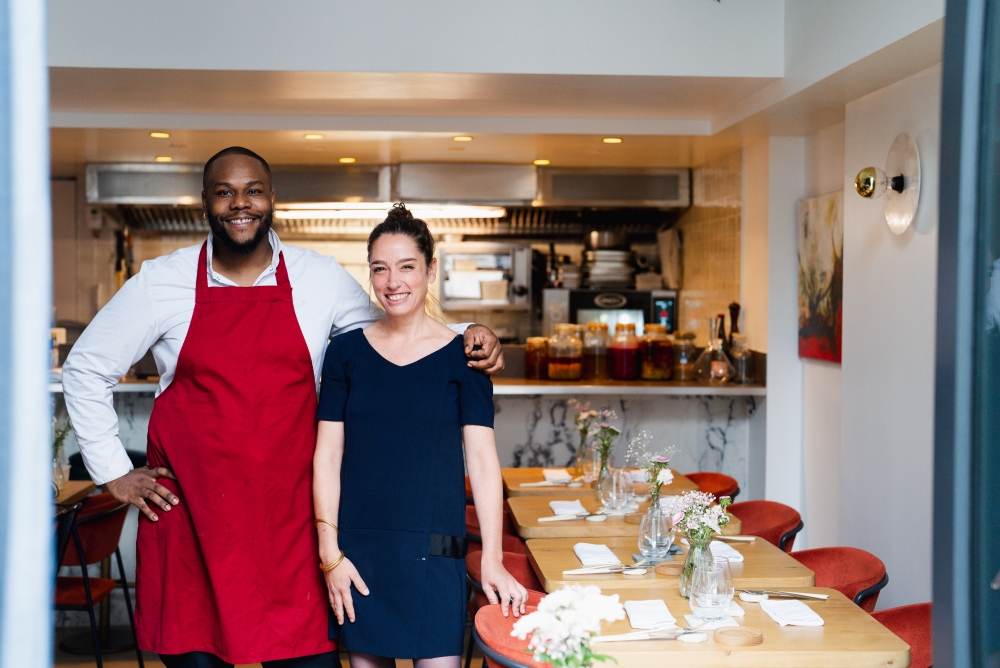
{"type": "Point", "coordinates": [624, 351]}
{"type": "Point", "coordinates": [565, 353]}
{"type": "Point", "coordinates": [595, 352]}
{"type": "Point", "coordinates": [713, 365]}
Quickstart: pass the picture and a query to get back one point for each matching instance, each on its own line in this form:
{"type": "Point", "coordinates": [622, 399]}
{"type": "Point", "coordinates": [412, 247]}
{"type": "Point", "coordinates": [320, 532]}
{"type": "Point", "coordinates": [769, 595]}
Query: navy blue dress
{"type": "Point", "coordinates": [403, 491]}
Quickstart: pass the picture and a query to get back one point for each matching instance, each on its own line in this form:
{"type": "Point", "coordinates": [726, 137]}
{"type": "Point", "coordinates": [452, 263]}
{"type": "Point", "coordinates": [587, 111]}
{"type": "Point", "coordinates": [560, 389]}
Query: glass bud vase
{"type": "Point", "coordinates": [582, 456]}
{"type": "Point", "coordinates": [602, 478]}
{"type": "Point", "coordinates": [698, 554]}
{"type": "Point", "coordinates": [656, 534]}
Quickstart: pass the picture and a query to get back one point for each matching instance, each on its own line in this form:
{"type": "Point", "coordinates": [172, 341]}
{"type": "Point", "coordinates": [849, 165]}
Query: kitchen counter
{"type": "Point", "coordinates": [518, 386]}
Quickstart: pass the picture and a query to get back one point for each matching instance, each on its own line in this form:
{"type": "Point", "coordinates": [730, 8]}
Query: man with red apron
{"type": "Point", "coordinates": [228, 572]}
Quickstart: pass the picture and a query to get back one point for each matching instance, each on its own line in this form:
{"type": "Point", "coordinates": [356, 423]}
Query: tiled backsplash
{"type": "Point", "coordinates": [711, 236]}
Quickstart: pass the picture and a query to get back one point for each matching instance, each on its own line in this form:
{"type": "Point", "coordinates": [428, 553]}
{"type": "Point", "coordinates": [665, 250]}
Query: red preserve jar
{"type": "Point", "coordinates": [624, 352]}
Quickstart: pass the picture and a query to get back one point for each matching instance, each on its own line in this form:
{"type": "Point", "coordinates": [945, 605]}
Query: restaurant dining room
{"type": "Point", "coordinates": [674, 326]}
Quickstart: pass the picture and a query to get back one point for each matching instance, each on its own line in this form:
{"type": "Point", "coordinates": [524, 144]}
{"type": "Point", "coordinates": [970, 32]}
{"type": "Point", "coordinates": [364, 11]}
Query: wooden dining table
{"type": "Point", "coordinates": [514, 478]}
{"type": "Point", "coordinates": [526, 511]}
{"type": "Point", "coordinates": [848, 637]}
{"type": "Point", "coordinates": [74, 491]}
{"type": "Point", "coordinates": [764, 565]}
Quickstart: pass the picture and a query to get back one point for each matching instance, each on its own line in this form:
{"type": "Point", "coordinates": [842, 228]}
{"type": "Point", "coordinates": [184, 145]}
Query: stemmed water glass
{"type": "Point", "coordinates": [712, 589]}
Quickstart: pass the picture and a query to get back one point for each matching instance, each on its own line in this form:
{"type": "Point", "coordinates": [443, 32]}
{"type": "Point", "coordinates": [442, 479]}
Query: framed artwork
{"type": "Point", "coordinates": [821, 276]}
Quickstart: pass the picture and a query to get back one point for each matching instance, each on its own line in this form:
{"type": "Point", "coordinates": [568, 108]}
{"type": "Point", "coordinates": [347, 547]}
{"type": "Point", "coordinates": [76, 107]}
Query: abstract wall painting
{"type": "Point", "coordinates": [821, 276]}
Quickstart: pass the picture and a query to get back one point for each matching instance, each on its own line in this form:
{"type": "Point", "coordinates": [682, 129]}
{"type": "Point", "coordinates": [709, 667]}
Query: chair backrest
{"type": "Point", "coordinates": [912, 623]}
{"type": "Point", "coordinates": [850, 571]}
{"type": "Point", "coordinates": [492, 633]}
{"type": "Point", "coordinates": [774, 522]}
{"type": "Point", "coordinates": [98, 527]}
{"type": "Point", "coordinates": [472, 522]}
{"type": "Point", "coordinates": [64, 528]}
{"type": "Point", "coordinates": [718, 484]}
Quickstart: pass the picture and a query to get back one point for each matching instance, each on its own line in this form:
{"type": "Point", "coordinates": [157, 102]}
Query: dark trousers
{"type": "Point", "coordinates": [206, 660]}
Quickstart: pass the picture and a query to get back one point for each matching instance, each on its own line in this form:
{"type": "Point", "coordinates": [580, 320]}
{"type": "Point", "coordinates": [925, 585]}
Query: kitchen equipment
{"type": "Point", "coordinates": [491, 276]}
{"type": "Point", "coordinates": [609, 307]}
{"type": "Point", "coordinates": [608, 268]}
{"type": "Point", "coordinates": [606, 239]}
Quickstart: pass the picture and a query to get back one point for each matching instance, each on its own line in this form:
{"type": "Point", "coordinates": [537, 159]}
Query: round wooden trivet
{"type": "Point", "coordinates": [669, 568]}
{"type": "Point", "coordinates": [634, 518]}
{"type": "Point", "coordinates": [739, 636]}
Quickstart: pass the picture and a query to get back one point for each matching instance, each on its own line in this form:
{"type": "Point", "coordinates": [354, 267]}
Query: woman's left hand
{"type": "Point", "coordinates": [501, 587]}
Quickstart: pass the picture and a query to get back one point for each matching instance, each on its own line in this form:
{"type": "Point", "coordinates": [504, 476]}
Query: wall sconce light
{"type": "Point", "coordinates": [900, 183]}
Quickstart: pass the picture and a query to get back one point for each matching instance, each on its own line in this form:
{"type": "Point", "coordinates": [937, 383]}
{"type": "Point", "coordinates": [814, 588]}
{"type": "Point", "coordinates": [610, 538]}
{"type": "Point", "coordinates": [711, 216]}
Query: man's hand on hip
{"type": "Point", "coordinates": [139, 485]}
{"type": "Point", "coordinates": [489, 356]}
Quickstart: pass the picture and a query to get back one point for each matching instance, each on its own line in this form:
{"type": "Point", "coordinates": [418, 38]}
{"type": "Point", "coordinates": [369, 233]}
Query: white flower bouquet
{"type": "Point", "coordinates": [697, 514]}
{"type": "Point", "coordinates": [564, 623]}
{"type": "Point", "coordinates": [655, 465]}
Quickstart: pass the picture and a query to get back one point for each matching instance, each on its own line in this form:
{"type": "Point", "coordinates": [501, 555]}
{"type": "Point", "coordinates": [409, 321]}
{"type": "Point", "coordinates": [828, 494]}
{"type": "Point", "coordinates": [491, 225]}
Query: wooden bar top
{"type": "Point", "coordinates": [849, 637]}
{"type": "Point", "coordinates": [75, 490]}
{"type": "Point", "coordinates": [513, 477]}
{"type": "Point", "coordinates": [526, 511]}
{"type": "Point", "coordinates": [764, 565]}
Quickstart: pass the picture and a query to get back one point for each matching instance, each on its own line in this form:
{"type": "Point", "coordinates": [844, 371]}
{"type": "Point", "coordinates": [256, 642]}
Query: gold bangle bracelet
{"type": "Point", "coordinates": [330, 523]}
{"type": "Point", "coordinates": [327, 569]}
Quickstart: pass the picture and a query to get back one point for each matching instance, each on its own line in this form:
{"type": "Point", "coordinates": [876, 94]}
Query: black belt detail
{"type": "Point", "coordinates": [455, 547]}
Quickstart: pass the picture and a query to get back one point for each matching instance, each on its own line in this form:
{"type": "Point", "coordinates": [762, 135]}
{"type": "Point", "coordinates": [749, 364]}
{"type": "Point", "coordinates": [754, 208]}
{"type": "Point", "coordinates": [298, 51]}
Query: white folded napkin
{"type": "Point", "coordinates": [735, 610]}
{"type": "Point", "coordinates": [693, 621]}
{"type": "Point", "coordinates": [720, 549]}
{"type": "Point", "coordinates": [791, 613]}
{"type": "Point", "coordinates": [573, 507]}
{"type": "Point", "coordinates": [595, 555]}
{"type": "Point", "coordinates": [639, 476]}
{"type": "Point", "coordinates": [652, 614]}
{"type": "Point", "coordinates": [556, 475]}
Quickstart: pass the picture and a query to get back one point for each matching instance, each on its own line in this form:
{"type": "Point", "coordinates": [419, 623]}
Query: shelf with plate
{"type": "Point", "coordinates": [519, 386]}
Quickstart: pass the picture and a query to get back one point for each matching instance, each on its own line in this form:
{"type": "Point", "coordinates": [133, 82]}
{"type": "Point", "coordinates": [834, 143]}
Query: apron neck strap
{"type": "Point", "coordinates": [201, 284]}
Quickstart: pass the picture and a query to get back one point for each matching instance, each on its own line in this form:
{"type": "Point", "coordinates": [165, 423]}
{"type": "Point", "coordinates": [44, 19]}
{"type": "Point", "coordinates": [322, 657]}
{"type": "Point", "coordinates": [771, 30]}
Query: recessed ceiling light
{"type": "Point", "coordinates": [164, 158]}
{"type": "Point", "coordinates": [313, 135]}
{"type": "Point", "coordinates": [348, 161]}
{"type": "Point", "coordinates": [160, 135]}
{"type": "Point", "coordinates": [540, 162]}
{"type": "Point", "coordinates": [612, 140]}
{"type": "Point", "coordinates": [462, 138]}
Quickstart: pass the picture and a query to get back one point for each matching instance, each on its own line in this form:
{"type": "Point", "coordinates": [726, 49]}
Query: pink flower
{"type": "Point", "coordinates": [661, 460]}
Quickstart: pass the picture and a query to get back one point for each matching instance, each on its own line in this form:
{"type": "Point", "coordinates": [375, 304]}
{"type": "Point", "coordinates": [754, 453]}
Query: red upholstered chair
{"type": "Point", "coordinates": [468, 492]}
{"type": "Point", "coordinates": [509, 544]}
{"type": "Point", "coordinates": [472, 524]}
{"type": "Point", "coordinates": [912, 623]}
{"type": "Point", "coordinates": [95, 535]}
{"type": "Point", "coordinates": [491, 631]}
{"type": "Point", "coordinates": [856, 574]}
{"type": "Point", "coordinates": [718, 484]}
{"type": "Point", "coordinates": [774, 522]}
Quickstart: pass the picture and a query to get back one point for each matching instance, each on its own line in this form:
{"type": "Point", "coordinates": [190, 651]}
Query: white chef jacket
{"type": "Point", "coordinates": [153, 310]}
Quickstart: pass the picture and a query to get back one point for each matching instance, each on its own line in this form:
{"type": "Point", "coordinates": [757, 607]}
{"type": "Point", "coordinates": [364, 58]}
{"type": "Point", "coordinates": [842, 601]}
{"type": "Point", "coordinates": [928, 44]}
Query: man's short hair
{"type": "Point", "coordinates": [232, 150]}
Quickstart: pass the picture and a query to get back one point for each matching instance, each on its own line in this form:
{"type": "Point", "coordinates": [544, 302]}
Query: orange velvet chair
{"type": "Point", "coordinates": [774, 522]}
{"type": "Point", "coordinates": [468, 492]}
{"type": "Point", "coordinates": [509, 544]}
{"type": "Point", "coordinates": [472, 524]}
{"type": "Point", "coordinates": [491, 632]}
{"type": "Point", "coordinates": [95, 535]}
{"type": "Point", "coordinates": [856, 574]}
{"type": "Point", "coordinates": [718, 484]}
{"type": "Point", "coordinates": [912, 623]}
{"type": "Point", "coordinates": [517, 565]}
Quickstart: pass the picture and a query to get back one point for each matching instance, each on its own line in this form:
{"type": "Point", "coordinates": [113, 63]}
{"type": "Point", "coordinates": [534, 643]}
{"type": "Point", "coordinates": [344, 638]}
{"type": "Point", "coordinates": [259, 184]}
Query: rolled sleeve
{"type": "Point", "coordinates": [117, 338]}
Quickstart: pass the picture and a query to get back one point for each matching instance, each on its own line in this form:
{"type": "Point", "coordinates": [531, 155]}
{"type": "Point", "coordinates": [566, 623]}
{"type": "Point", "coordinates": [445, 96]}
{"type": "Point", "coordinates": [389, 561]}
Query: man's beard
{"type": "Point", "coordinates": [220, 232]}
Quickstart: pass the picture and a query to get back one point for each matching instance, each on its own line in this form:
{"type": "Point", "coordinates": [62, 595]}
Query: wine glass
{"type": "Point", "coordinates": [712, 589]}
{"type": "Point", "coordinates": [617, 489]}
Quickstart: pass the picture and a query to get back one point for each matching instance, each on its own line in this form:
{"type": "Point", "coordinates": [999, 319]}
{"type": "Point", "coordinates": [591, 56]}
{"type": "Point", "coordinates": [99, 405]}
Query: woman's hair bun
{"type": "Point", "coordinates": [399, 213]}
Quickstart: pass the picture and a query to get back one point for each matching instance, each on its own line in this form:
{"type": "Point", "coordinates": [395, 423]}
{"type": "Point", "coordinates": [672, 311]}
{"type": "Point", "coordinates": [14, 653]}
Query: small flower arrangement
{"type": "Point", "coordinates": [655, 465]}
{"type": "Point", "coordinates": [60, 430]}
{"type": "Point", "coordinates": [604, 438]}
{"type": "Point", "coordinates": [698, 515]}
{"type": "Point", "coordinates": [584, 420]}
{"type": "Point", "coordinates": [565, 622]}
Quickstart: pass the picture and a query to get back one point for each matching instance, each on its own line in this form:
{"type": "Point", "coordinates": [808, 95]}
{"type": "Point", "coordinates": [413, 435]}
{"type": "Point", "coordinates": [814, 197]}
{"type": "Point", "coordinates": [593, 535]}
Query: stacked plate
{"type": "Point", "coordinates": [570, 276]}
{"type": "Point", "coordinates": [608, 269]}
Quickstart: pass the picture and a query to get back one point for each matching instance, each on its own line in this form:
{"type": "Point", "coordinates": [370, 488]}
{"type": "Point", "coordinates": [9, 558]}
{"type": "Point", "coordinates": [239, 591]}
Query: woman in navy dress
{"type": "Point", "coordinates": [396, 403]}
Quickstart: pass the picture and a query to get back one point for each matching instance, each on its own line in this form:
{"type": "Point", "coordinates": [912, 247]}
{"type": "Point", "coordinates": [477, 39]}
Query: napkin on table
{"type": "Point", "coordinates": [573, 507]}
{"type": "Point", "coordinates": [693, 621]}
{"type": "Point", "coordinates": [791, 613]}
{"type": "Point", "coordinates": [638, 476]}
{"type": "Point", "coordinates": [556, 475]}
{"type": "Point", "coordinates": [735, 610]}
{"type": "Point", "coordinates": [652, 614]}
{"type": "Point", "coordinates": [720, 549]}
{"type": "Point", "coordinates": [595, 555]}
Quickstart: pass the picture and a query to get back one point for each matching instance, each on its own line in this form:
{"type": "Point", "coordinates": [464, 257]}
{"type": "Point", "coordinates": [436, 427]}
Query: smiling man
{"type": "Point", "coordinates": [226, 566]}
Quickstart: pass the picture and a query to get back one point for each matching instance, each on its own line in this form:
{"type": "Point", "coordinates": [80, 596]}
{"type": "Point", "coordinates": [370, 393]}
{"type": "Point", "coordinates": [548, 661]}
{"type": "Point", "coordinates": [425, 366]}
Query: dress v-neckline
{"type": "Point", "coordinates": [408, 364]}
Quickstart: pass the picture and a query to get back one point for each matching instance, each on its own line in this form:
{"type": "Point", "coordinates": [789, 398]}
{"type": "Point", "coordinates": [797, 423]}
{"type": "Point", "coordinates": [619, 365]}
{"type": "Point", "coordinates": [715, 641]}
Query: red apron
{"type": "Point", "coordinates": [232, 570]}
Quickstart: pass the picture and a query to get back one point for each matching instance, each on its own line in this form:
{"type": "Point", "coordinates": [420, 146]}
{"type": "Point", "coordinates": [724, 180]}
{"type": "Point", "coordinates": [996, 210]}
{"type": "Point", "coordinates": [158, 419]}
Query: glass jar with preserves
{"type": "Point", "coordinates": [595, 352]}
{"type": "Point", "coordinates": [624, 352]}
{"type": "Point", "coordinates": [536, 358]}
{"type": "Point", "coordinates": [656, 353]}
{"type": "Point", "coordinates": [742, 360]}
{"type": "Point", "coordinates": [684, 356]}
{"type": "Point", "coordinates": [565, 353]}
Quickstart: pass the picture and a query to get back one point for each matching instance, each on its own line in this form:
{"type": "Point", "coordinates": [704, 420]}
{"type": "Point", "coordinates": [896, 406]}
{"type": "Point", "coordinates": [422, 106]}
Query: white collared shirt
{"type": "Point", "coordinates": [153, 310]}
